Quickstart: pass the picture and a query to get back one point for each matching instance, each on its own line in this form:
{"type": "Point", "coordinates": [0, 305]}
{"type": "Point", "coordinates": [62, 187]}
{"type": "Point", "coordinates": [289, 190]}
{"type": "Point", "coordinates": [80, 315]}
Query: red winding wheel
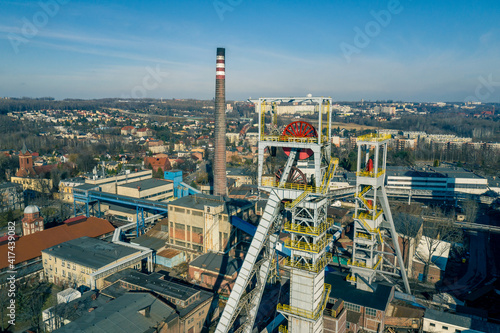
{"type": "Point", "coordinates": [300, 129]}
{"type": "Point", "coordinates": [295, 176]}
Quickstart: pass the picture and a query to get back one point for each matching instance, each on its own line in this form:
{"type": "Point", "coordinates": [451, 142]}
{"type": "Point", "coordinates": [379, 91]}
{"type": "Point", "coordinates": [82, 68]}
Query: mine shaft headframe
{"type": "Point", "coordinates": [323, 109]}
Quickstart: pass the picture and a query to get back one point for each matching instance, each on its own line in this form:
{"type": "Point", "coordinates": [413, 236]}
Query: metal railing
{"type": "Point", "coordinates": [295, 139]}
{"type": "Point", "coordinates": [356, 263]}
{"type": "Point", "coordinates": [315, 268]}
{"type": "Point", "coordinates": [362, 216]}
{"type": "Point", "coordinates": [291, 186]}
{"type": "Point", "coordinates": [297, 200]}
{"type": "Point", "coordinates": [308, 247]}
{"type": "Point", "coordinates": [350, 277]}
{"type": "Point", "coordinates": [370, 173]}
{"type": "Point", "coordinates": [313, 231]}
{"type": "Point", "coordinates": [313, 315]}
{"type": "Point", "coordinates": [374, 137]}
{"type": "Point", "coordinates": [365, 236]}
{"type": "Point", "coordinates": [365, 190]}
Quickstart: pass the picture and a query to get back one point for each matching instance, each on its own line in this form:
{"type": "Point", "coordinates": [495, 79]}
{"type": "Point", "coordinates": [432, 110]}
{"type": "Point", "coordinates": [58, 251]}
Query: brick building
{"type": "Point", "coordinates": [213, 270]}
{"type": "Point", "coordinates": [192, 304]}
{"type": "Point", "coordinates": [25, 164]}
{"type": "Point", "coordinates": [364, 310]}
{"type": "Point", "coordinates": [32, 221]}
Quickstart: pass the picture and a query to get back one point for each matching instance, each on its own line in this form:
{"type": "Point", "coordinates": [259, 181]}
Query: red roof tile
{"type": "Point", "coordinates": [31, 246]}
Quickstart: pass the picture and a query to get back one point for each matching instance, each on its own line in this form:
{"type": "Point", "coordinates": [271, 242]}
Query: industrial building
{"type": "Point", "coordinates": [435, 182]}
{"type": "Point", "coordinates": [439, 321]}
{"type": "Point", "coordinates": [192, 304]}
{"type": "Point", "coordinates": [109, 184]}
{"type": "Point", "coordinates": [364, 309]}
{"type": "Point", "coordinates": [215, 271]}
{"type": "Point", "coordinates": [151, 189]}
{"type": "Point", "coordinates": [87, 261]}
{"type": "Point", "coordinates": [132, 312]}
{"type": "Point", "coordinates": [200, 223]}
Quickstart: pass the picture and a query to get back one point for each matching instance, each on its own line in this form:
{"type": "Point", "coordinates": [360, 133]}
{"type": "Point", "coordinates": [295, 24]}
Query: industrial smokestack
{"type": "Point", "coordinates": [220, 181]}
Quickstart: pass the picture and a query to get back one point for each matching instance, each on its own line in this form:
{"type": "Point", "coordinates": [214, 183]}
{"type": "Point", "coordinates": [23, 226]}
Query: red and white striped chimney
{"type": "Point", "coordinates": [220, 180]}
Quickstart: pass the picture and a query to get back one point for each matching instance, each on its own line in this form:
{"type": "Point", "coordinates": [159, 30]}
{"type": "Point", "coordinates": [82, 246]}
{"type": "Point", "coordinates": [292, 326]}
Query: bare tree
{"type": "Point", "coordinates": [408, 227]}
{"type": "Point", "coordinates": [470, 209]}
{"type": "Point", "coordinates": [33, 298]}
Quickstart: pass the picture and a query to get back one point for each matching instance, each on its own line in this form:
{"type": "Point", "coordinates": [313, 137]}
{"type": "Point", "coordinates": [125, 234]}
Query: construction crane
{"type": "Point", "coordinates": [297, 206]}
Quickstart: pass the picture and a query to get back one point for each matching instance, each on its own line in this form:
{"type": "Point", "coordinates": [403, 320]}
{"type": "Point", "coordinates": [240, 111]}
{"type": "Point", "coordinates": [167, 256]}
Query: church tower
{"type": "Point", "coordinates": [25, 163]}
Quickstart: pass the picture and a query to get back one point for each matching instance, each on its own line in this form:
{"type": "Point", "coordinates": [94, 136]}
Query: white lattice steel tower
{"type": "Point", "coordinates": [297, 205]}
{"type": "Point", "coordinates": [375, 238]}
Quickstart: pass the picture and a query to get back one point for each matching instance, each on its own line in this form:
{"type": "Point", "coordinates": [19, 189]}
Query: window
{"type": "Point", "coordinates": [352, 307]}
{"type": "Point", "coordinates": [63, 273]}
{"type": "Point", "coordinates": [445, 328]}
{"type": "Point", "coordinates": [45, 261]}
{"type": "Point", "coordinates": [458, 331]}
{"type": "Point", "coordinates": [371, 312]}
{"type": "Point", "coordinates": [197, 230]}
{"type": "Point", "coordinates": [74, 267]}
{"type": "Point", "coordinates": [432, 325]}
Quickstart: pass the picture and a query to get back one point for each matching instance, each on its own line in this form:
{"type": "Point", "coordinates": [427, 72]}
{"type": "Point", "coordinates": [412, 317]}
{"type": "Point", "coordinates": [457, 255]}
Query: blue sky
{"type": "Point", "coordinates": [415, 51]}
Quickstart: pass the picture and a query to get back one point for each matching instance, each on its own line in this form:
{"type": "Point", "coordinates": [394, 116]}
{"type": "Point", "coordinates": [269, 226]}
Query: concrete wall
{"type": "Point", "coordinates": [188, 229]}
{"type": "Point", "coordinates": [59, 271]}
{"type": "Point", "coordinates": [151, 193]}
